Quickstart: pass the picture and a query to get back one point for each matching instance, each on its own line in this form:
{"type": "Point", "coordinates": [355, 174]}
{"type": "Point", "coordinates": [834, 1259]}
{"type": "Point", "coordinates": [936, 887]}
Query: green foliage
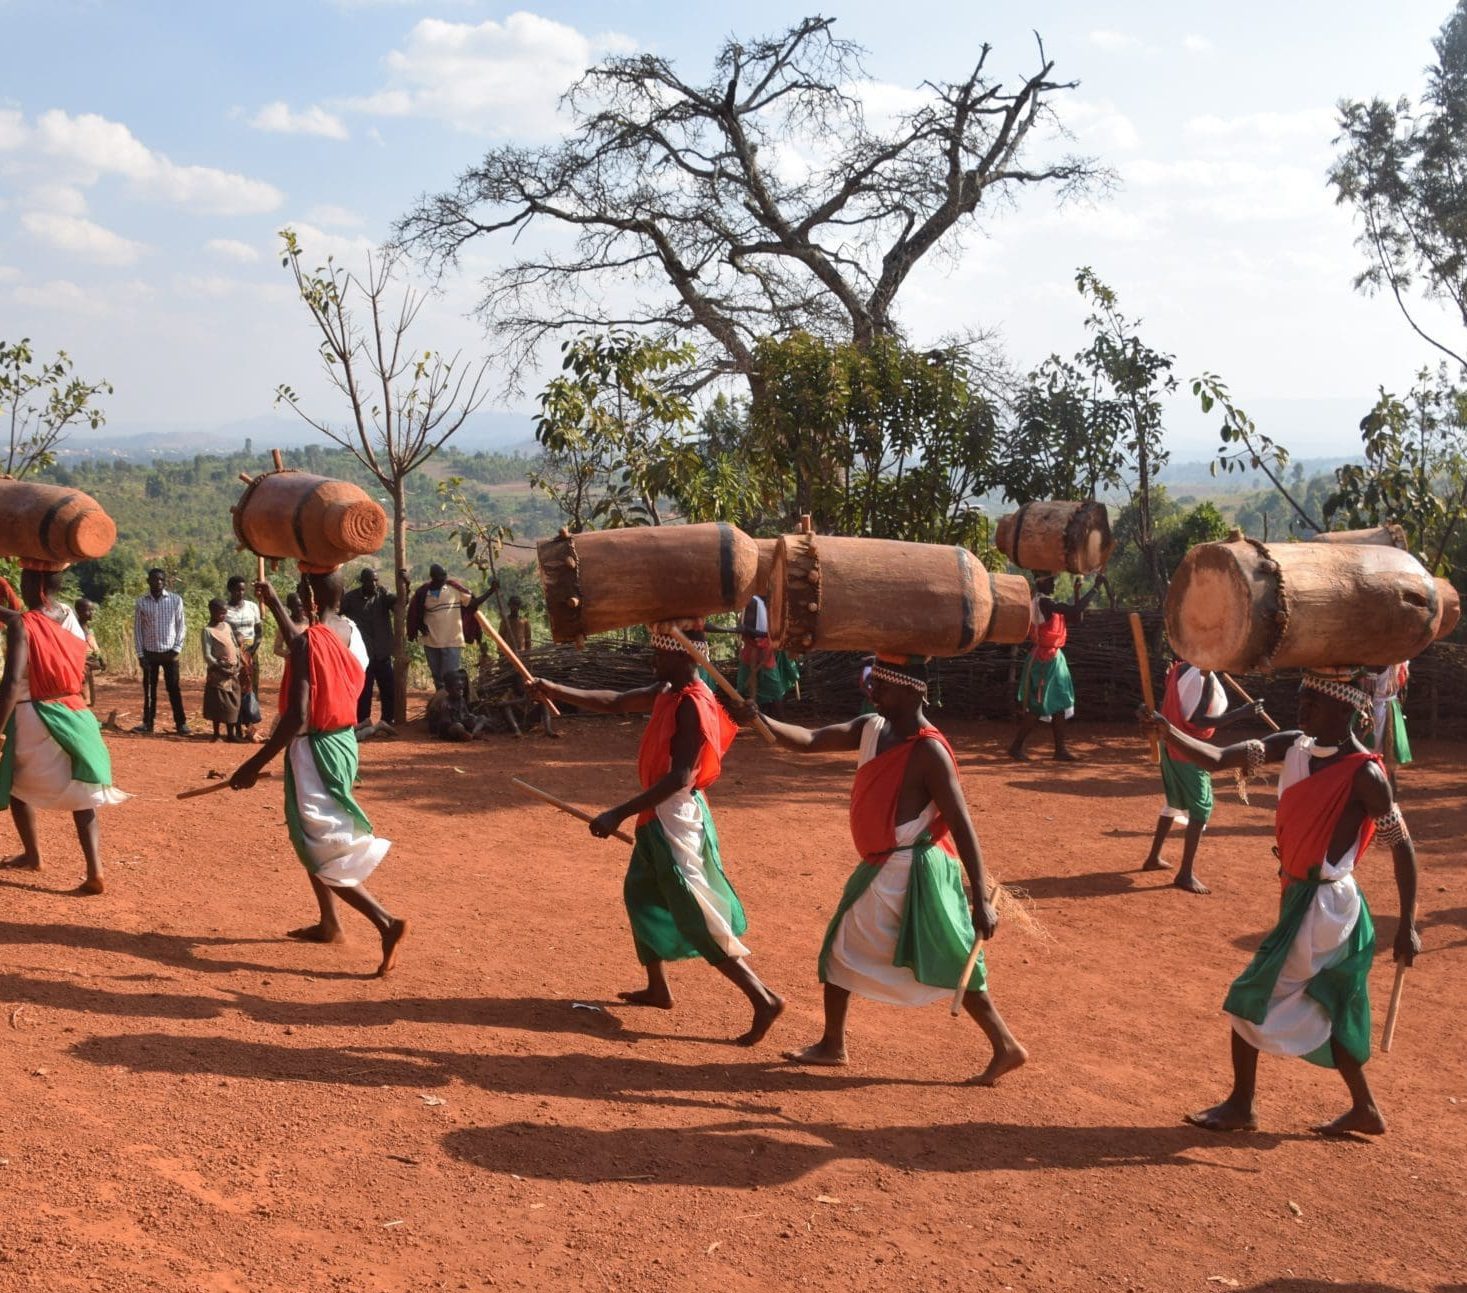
{"type": "Point", "coordinates": [1415, 472]}
{"type": "Point", "coordinates": [879, 440]}
{"type": "Point", "coordinates": [614, 428]}
{"type": "Point", "coordinates": [1176, 527]}
{"type": "Point", "coordinates": [1065, 439]}
{"type": "Point", "coordinates": [1404, 171]}
{"type": "Point", "coordinates": [38, 402]}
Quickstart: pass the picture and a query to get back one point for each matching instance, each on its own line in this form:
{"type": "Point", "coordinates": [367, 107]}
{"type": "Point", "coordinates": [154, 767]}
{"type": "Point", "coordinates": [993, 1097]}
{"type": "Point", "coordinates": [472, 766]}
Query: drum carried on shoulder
{"type": "Point", "coordinates": [50, 527]}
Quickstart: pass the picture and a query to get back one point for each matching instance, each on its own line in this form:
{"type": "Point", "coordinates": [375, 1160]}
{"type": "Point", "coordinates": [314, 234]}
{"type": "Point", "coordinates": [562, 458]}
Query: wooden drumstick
{"type": "Point", "coordinates": [514, 660]}
{"type": "Point", "coordinates": [1143, 663]}
{"type": "Point", "coordinates": [971, 964]}
{"type": "Point", "coordinates": [564, 807]}
{"type": "Point", "coordinates": [1388, 1034]}
{"type": "Point", "coordinates": [728, 689]}
{"type": "Point", "coordinates": [1247, 700]}
{"type": "Point", "coordinates": [211, 790]}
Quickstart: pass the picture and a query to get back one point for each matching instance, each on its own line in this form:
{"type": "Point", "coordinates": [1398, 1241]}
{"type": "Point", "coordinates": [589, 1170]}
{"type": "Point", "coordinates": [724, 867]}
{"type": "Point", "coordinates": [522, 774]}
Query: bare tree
{"type": "Point", "coordinates": [763, 202]}
{"type": "Point", "coordinates": [404, 402]}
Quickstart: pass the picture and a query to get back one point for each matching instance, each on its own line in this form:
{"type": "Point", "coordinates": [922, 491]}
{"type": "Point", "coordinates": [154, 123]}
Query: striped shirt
{"type": "Point", "coordinates": [157, 624]}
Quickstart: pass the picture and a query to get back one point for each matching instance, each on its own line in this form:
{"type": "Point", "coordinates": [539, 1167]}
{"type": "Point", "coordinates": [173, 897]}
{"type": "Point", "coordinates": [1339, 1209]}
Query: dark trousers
{"type": "Point", "coordinates": [380, 672]}
{"type": "Point", "coordinates": [167, 661]}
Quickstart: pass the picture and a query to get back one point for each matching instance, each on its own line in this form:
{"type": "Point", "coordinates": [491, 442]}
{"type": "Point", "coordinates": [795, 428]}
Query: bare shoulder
{"type": "Point", "coordinates": [1373, 788]}
{"type": "Point", "coordinates": [932, 755]}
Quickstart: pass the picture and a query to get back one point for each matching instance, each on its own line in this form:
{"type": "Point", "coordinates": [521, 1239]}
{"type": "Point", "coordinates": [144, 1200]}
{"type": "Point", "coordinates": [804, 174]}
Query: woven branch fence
{"type": "Point", "coordinates": [983, 683]}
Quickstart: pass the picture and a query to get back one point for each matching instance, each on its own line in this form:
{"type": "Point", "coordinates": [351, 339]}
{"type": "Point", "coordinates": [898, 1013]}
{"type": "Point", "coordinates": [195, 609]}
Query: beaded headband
{"type": "Point", "coordinates": [1346, 692]}
{"type": "Point", "coordinates": [887, 674]}
{"type": "Point", "coordinates": [662, 641]}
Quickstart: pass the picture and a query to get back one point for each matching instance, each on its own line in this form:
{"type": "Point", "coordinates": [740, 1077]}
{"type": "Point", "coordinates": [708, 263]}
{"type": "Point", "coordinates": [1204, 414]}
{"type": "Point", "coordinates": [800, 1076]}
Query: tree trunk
{"type": "Point", "coordinates": [399, 616]}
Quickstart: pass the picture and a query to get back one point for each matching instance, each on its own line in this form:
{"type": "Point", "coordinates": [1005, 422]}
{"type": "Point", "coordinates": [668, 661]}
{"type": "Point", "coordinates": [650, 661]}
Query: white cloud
{"type": "Point", "coordinates": [280, 118]}
{"type": "Point", "coordinates": [13, 130]}
{"type": "Point", "coordinates": [491, 78]}
{"type": "Point", "coordinates": [232, 249]}
{"type": "Point", "coordinates": [339, 217]}
{"type": "Point", "coordinates": [8, 273]}
{"type": "Point", "coordinates": [89, 146]}
{"type": "Point", "coordinates": [1099, 126]}
{"type": "Point", "coordinates": [62, 199]}
{"type": "Point", "coordinates": [1194, 44]}
{"type": "Point", "coordinates": [316, 245]}
{"type": "Point", "coordinates": [1112, 41]}
{"type": "Point", "coordinates": [66, 297]}
{"type": "Point", "coordinates": [81, 237]}
{"type": "Point", "coordinates": [1235, 191]}
{"type": "Point", "coordinates": [217, 287]}
{"type": "Point", "coordinates": [1267, 128]}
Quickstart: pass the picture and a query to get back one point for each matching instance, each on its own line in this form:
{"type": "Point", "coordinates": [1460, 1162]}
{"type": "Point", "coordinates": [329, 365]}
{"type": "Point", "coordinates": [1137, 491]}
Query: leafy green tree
{"type": "Point", "coordinates": [39, 404]}
{"type": "Point", "coordinates": [1065, 438]}
{"type": "Point", "coordinates": [880, 439]}
{"type": "Point", "coordinates": [1403, 169]}
{"type": "Point", "coordinates": [1415, 472]}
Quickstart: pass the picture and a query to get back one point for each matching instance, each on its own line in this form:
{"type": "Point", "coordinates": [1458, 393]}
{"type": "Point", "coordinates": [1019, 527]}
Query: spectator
{"type": "Point", "coordinates": [442, 612]}
{"type": "Point", "coordinates": [157, 630]}
{"type": "Point", "coordinates": [248, 626]}
{"type": "Point", "coordinates": [225, 663]}
{"type": "Point", "coordinates": [514, 628]}
{"type": "Point", "coordinates": [449, 715]}
{"type": "Point", "coordinates": [298, 617]}
{"type": "Point", "coordinates": [369, 606]}
{"type": "Point", "coordinates": [86, 611]}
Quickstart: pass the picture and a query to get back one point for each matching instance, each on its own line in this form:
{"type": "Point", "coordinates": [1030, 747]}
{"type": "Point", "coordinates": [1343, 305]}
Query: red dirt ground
{"type": "Point", "coordinates": [196, 1104]}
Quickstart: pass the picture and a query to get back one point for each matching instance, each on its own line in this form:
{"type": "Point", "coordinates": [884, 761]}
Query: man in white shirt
{"type": "Point", "coordinates": [437, 615]}
{"type": "Point", "coordinates": [157, 630]}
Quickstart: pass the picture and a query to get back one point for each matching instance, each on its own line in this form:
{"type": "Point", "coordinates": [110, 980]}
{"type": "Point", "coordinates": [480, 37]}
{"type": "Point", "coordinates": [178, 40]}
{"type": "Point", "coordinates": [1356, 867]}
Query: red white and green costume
{"type": "Point", "coordinates": [1308, 981]}
{"type": "Point", "coordinates": [678, 898]}
{"type": "Point", "coordinates": [904, 927]}
{"type": "Point", "coordinates": [55, 757]}
{"type": "Point", "coordinates": [1046, 688]}
{"type": "Point", "coordinates": [775, 673]}
{"type": "Point", "coordinates": [1188, 788]}
{"type": "Point", "coordinates": [330, 832]}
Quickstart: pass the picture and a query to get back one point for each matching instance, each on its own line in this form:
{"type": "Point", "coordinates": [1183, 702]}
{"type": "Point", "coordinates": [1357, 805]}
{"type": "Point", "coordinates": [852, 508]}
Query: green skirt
{"type": "Point", "coordinates": [678, 899]}
{"type": "Point", "coordinates": [1046, 688]}
{"type": "Point", "coordinates": [1187, 787]}
{"type": "Point", "coordinates": [774, 684]}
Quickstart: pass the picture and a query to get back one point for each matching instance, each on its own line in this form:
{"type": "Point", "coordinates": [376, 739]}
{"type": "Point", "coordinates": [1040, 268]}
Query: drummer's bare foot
{"type": "Point", "coordinates": [819, 1054]}
{"type": "Point", "coordinates": [764, 1016]}
{"type": "Point", "coordinates": [1364, 1121]}
{"type": "Point", "coordinates": [1189, 883]}
{"type": "Point", "coordinates": [1064, 756]}
{"type": "Point", "coordinates": [392, 938]}
{"type": "Point", "coordinates": [1016, 752]}
{"type": "Point", "coordinates": [317, 933]}
{"type": "Point", "coordinates": [1156, 863]}
{"type": "Point", "coordinates": [1004, 1061]}
{"type": "Point", "coordinates": [1224, 1117]}
{"type": "Point", "coordinates": [660, 998]}
{"type": "Point", "coordinates": [22, 862]}
{"type": "Point", "coordinates": [90, 886]}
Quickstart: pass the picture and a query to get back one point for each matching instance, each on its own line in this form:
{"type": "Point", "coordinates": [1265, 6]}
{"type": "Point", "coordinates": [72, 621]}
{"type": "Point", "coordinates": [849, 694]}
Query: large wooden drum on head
{"type": "Point", "coordinates": [50, 527]}
{"type": "Point", "coordinates": [766, 566]}
{"type": "Point", "coordinates": [843, 594]}
{"type": "Point", "coordinates": [1056, 537]}
{"type": "Point", "coordinates": [1389, 536]}
{"type": "Point", "coordinates": [1012, 610]}
{"type": "Point", "coordinates": [320, 522]}
{"type": "Point", "coordinates": [612, 579]}
{"type": "Point", "coordinates": [1451, 603]}
{"type": "Point", "coordinates": [1243, 606]}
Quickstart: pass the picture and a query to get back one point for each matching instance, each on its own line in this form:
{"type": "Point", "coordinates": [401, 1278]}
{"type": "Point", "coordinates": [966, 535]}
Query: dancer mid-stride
{"type": "Point", "coordinates": [904, 927]}
{"type": "Point", "coordinates": [1306, 991]}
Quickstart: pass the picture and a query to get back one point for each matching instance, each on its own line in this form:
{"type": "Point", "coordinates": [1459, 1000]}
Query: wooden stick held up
{"type": "Point", "coordinates": [1247, 700]}
{"type": "Point", "coordinates": [1143, 663]}
{"type": "Point", "coordinates": [554, 802]}
{"type": "Point", "coordinates": [514, 660]}
{"type": "Point", "coordinates": [211, 790]}
{"type": "Point", "coordinates": [728, 689]}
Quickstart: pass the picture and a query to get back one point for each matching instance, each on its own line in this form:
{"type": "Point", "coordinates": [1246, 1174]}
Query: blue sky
{"type": "Point", "coordinates": [149, 152]}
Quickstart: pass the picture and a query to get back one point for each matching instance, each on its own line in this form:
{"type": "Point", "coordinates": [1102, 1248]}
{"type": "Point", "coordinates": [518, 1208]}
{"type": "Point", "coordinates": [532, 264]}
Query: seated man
{"type": "Point", "coordinates": [449, 715]}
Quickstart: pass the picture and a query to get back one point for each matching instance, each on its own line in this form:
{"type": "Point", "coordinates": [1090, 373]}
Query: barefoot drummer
{"type": "Point", "coordinates": [1306, 991]}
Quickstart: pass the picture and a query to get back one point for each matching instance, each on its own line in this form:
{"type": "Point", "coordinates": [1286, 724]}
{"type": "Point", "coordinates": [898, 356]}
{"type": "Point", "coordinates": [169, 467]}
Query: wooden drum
{"type": "Point", "coordinates": [1057, 536]}
{"type": "Point", "coordinates": [50, 527]}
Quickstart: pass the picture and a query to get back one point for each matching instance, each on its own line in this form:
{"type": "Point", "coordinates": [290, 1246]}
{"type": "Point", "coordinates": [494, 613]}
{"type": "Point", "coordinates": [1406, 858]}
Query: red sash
{"type": "Point", "coordinates": [336, 681]}
{"type": "Point", "coordinates": [1049, 636]}
{"type": "Point", "coordinates": [876, 792]}
{"type": "Point", "coordinates": [1308, 812]}
{"type": "Point", "coordinates": [654, 757]}
{"type": "Point", "coordinates": [58, 661]}
{"type": "Point", "coordinates": [1171, 709]}
{"type": "Point", "coordinates": [757, 652]}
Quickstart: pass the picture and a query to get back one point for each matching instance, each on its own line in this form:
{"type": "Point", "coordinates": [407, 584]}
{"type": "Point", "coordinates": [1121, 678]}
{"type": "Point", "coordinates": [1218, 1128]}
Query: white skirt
{"type": "Point", "coordinates": [863, 947]}
{"type": "Point", "coordinates": [341, 855]}
{"type": "Point", "coordinates": [43, 771]}
{"type": "Point", "coordinates": [681, 820]}
{"type": "Point", "coordinates": [1296, 1024]}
